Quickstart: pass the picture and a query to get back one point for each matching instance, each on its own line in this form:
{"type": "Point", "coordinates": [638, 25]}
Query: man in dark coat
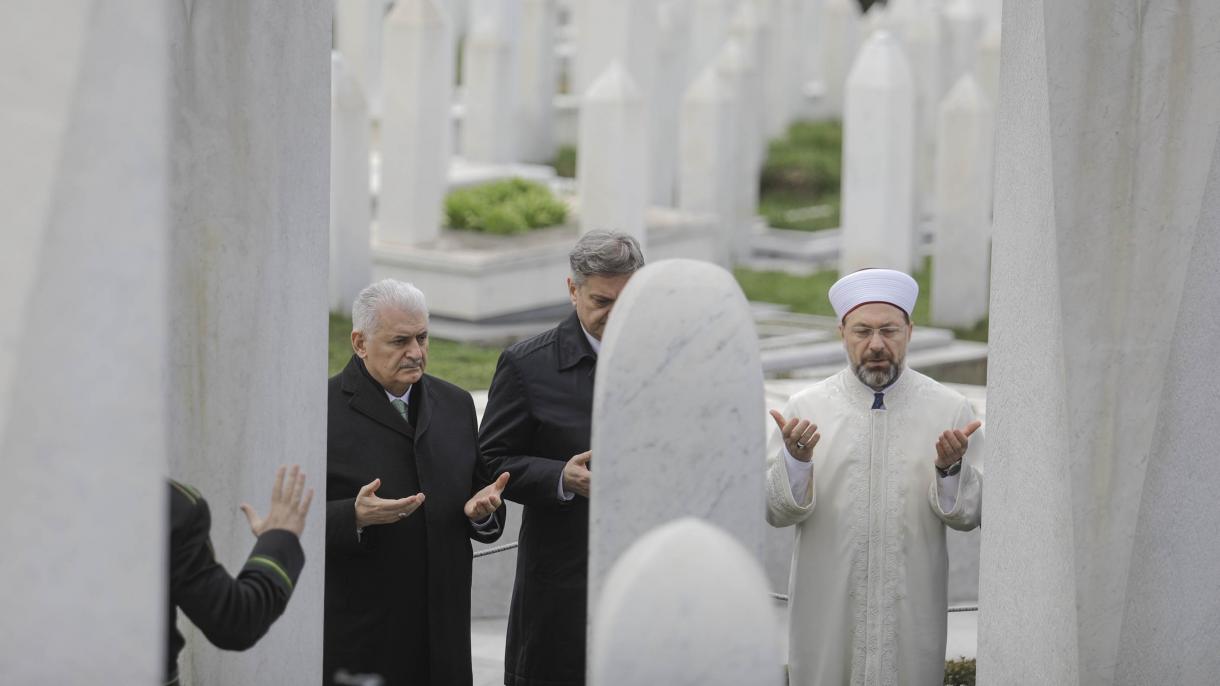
{"type": "Point", "coordinates": [397, 567]}
{"type": "Point", "coordinates": [537, 428]}
{"type": "Point", "coordinates": [233, 613]}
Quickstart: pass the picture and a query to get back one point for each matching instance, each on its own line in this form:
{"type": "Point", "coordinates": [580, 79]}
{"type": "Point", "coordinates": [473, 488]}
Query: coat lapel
{"type": "Point", "coordinates": [369, 399]}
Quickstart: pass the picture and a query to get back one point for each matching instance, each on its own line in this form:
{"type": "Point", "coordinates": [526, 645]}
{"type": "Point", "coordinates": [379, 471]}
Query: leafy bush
{"type": "Point", "coordinates": [807, 160]}
{"type": "Point", "coordinates": [504, 207]}
{"type": "Point", "coordinates": [959, 672]}
{"type": "Point", "coordinates": [565, 162]}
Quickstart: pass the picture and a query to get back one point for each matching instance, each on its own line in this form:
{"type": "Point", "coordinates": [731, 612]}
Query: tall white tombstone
{"type": "Point", "coordinates": [961, 28]}
{"type": "Point", "coordinates": [675, 407]}
{"type": "Point", "coordinates": [810, 42]}
{"type": "Point", "coordinates": [709, 27]}
{"type": "Point", "coordinates": [686, 605]}
{"type": "Point", "coordinates": [83, 341]}
{"type": "Point", "coordinates": [840, 36]}
{"type": "Point", "coordinates": [752, 35]}
{"type": "Point", "coordinates": [248, 292]}
{"type": "Point", "coordinates": [358, 29]}
{"type": "Point", "coordinates": [776, 108]}
{"type": "Point", "coordinates": [735, 64]}
{"type": "Point", "coordinates": [489, 73]}
{"type": "Point", "coordinates": [878, 160]}
{"type": "Point", "coordinates": [617, 30]}
{"type": "Point", "coordinates": [987, 69]}
{"type": "Point", "coordinates": [918, 24]}
{"type": "Point", "coordinates": [709, 164]}
{"type": "Point", "coordinates": [961, 258]}
{"type": "Point", "coordinates": [350, 212]}
{"type": "Point", "coordinates": [668, 85]}
{"type": "Point", "coordinates": [612, 165]}
{"type": "Point", "coordinates": [415, 129]}
{"type": "Point", "coordinates": [1099, 557]}
{"type": "Point", "coordinates": [536, 82]}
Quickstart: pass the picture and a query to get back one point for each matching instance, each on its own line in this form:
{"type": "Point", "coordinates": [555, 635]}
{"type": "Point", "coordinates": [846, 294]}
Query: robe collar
{"type": "Point", "coordinates": [863, 394]}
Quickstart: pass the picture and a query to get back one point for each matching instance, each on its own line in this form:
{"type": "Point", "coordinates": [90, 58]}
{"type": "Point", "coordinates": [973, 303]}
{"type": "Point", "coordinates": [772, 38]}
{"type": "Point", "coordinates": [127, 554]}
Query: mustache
{"type": "Point", "coordinates": [411, 363]}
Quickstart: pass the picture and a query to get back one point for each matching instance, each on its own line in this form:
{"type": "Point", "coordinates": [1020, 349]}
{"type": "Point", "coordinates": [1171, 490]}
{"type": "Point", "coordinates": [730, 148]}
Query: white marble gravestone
{"type": "Point", "coordinates": [489, 88]}
{"type": "Point", "coordinates": [248, 293]}
{"type": "Point", "coordinates": [83, 341]}
{"type": "Point", "coordinates": [350, 211]}
{"type": "Point", "coordinates": [686, 605]}
{"type": "Point", "coordinates": [358, 29]}
{"type": "Point", "coordinates": [668, 85]}
{"type": "Point", "coordinates": [961, 28]}
{"type": "Point", "coordinates": [879, 141]}
{"type": "Point", "coordinates": [1100, 553]}
{"type": "Point", "coordinates": [612, 165]}
{"type": "Point", "coordinates": [676, 404]}
{"type": "Point", "coordinates": [776, 108]}
{"type": "Point", "coordinates": [708, 160]}
{"type": "Point", "coordinates": [734, 62]}
{"type": "Point", "coordinates": [839, 38]}
{"type": "Point", "coordinates": [415, 127]}
{"type": "Point", "coordinates": [709, 26]}
{"type": "Point", "coordinates": [961, 258]}
{"type": "Point", "coordinates": [751, 35]}
{"type": "Point", "coordinates": [536, 80]}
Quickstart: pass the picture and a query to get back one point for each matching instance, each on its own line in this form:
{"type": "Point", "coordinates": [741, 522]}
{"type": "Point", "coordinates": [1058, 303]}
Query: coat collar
{"type": "Point", "coordinates": [367, 397]}
{"type": "Point", "coordinates": [571, 343]}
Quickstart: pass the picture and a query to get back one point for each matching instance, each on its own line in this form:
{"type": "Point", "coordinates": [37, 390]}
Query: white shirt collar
{"type": "Point", "coordinates": [405, 397]}
{"type": "Point", "coordinates": [597, 345]}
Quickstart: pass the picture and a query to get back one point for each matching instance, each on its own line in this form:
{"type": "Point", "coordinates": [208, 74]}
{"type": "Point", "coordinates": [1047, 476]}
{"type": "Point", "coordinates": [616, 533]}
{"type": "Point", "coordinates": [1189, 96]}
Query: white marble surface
{"type": "Point", "coordinates": [489, 83]}
{"type": "Point", "coordinates": [752, 35]}
{"type": "Point", "coordinates": [669, 82]}
{"type": "Point", "coordinates": [83, 310]}
{"type": "Point", "coordinates": [879, 141]}
{"type": "Point", "coordinates": [1100, 550]}
{"type": "Point", "coordinates": [961, 257]}
{"type": "Point", "coordinates": [536, 82]}
{"type": "Point", "coordinates": [776, 108]}
{"type": "Point", "coordinates": [415, 125]}
{"type": "Point", "coordinates": [737, 67]}
{"type": "Point", "coordinates": [612, 167]}
{"type": "Point", "coordinates": [248, 295]}
{"type": "Point", "coordinates": [678, 374]}
{"type": "Point", "coordinates": [961, 28]}
{"type": "Point", "coordinates": [350, 208]}
{"type": "Point", "coordinates": [709, 166]}
{"type": "Point", "coordinates": [686, 605]}
{"type": "Point", "coordinates": [357, 29]}
{"type": "Point", "coordinates": [709, 27]}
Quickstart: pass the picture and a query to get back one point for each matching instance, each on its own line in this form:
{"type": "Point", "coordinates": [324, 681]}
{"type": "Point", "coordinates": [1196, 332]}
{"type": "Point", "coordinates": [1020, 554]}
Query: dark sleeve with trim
{"type": "Point", "coordinates": [507, 432]}
{"type": "Point", "coordinates": [232, 613]}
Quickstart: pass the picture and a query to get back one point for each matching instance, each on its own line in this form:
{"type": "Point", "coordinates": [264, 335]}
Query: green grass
{"type": "Point", "coordinates": [468, 366]}
{"type": "Point", "coordinates": [803, 171]}
{"type": "Point", "coordinates": [807, 294]}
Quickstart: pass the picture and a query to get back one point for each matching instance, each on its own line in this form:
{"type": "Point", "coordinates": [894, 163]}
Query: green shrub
{"type": "Point", "coordinates": [565, 162]}
{"type": "Point", "coordinates": [959, 672]}
{"type": "Point", "coordinates": [504, 207]}
{"type": "Point", "coordinates": [808, 160]}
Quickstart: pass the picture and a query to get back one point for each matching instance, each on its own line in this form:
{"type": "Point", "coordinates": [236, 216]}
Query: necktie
{"type": "Point", "coordinates": [879, 401]}
{"type": "Point", "coordinates": [401, 407]}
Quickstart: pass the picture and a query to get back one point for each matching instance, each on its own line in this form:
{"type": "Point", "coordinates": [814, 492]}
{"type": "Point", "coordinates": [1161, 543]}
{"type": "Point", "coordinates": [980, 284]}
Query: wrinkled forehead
{"type": "Point", "coordinates": [875, 314]}
{"type": "Point", "coordinates": [392, 321]}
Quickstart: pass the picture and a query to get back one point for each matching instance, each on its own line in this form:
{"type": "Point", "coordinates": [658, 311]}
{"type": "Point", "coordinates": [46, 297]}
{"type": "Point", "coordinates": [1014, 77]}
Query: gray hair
{"type": "Point", "coordinates": [385, 293]}
{"type": "Point", "coordinates": [604, 253]}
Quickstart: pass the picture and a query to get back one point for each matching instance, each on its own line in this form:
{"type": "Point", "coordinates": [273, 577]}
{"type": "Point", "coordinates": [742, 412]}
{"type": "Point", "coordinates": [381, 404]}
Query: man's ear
{"type": "Point", "coordinates": [358, 344]}
{"type": "Point", "coordinates": [572, 291]}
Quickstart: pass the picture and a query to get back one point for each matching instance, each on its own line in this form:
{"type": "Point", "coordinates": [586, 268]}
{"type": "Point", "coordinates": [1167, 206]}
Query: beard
{"type": "Point", "coordinates": [877, 378]}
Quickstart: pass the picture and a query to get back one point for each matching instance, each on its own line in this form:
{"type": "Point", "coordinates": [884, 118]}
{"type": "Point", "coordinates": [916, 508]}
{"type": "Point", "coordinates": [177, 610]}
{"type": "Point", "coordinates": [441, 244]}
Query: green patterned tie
{"type": "Point", "coordinates": [401, 407]}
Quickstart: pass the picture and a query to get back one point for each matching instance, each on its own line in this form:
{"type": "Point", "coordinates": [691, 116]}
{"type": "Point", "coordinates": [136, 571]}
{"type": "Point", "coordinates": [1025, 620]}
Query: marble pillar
{"type": "Point", "coordinates": [84, 345]}
{"type": "Point", "coordinates": [709, 159]}
{"type": "Point", "coordinates": [248, 294]}
{"type": "Point", "coordinates": [612, 165]}
{"type": "Point", "coordinates": [415, 128]}
{"type": "Point", "coordinates": [668, 85]}
{"type": "Point", "coordinates": [350, 209]}
{"type": "Point", "coordinates": [839, 39]}
{"type": "Point", "coordinates": [738, 69]}
{"type": "Point", "coordinates": [536, 80]}
{"type": "Point", "coordinates": [1099, 557]}
{"type": "Point", "coordinates": [489, 73]}
{"type": "Point", "coordinates": [752, 34]}
{"type": "Point", "coordinates": [961, 257]}
{"type": "Point", "coordinates": [679, 359]}
{"type": "Point", "coordinates": [776, 107]}
{"type": "Point", "coordinates": [686, 605]}
{"type": "Point", "coordinates": [879, 141]}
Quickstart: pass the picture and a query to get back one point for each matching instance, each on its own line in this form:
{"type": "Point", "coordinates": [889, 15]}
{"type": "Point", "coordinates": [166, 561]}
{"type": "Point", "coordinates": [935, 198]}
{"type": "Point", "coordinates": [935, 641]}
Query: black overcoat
{"type": "Point", "coordinates": [398, 596]}
{"type": "Point", "coordinates": [539, 414]}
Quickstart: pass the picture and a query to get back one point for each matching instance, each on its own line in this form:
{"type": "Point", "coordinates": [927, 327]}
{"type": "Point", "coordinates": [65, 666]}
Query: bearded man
{"type": "Point", "coordinates": [870, 465]}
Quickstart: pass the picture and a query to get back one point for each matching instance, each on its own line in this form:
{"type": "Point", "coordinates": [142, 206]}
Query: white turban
{"type": "Point", "coordinates": [873, 286]}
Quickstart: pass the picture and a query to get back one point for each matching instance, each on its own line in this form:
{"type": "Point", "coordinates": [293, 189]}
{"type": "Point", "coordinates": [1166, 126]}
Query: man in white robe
{"type": "Point", "coordinates": [870, 465]}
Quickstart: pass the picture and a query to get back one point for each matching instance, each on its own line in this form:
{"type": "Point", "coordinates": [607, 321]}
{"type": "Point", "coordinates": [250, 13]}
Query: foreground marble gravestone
{"type": "Point", "coordinates": [676, 408]}
{"type": "Point", "coordinates": [686, 605]}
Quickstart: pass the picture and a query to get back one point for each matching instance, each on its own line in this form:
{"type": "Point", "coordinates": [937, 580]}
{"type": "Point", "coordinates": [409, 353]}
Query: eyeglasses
{"type": "Point", "coordinates": [864, 333]}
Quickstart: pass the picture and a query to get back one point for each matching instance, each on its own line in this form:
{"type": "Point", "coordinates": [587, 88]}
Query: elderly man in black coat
{"type": "Point", "coordinates": [406, 493]}
{"type": "Point", "coordinates": [537, 428]}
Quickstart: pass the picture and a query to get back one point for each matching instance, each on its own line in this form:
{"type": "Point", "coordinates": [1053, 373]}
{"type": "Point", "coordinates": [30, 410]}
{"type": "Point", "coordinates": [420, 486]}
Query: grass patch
{"type": "Point", "coordinates": [504, 207]}
{"type": "Point", "coordinates": [807, 294]}
{"type": "Point", "coordinates": [565, 162]}
{"type": "Point", "coordinates": [468, 366]}
{"type": "Point", "coordinates": [803, 170]}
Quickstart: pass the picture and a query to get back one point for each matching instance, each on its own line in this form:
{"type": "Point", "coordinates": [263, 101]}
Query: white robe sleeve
{"type": "Point", "coordinates": [782, 507]}
{"type": "Point", "coordinates": [966, 512]}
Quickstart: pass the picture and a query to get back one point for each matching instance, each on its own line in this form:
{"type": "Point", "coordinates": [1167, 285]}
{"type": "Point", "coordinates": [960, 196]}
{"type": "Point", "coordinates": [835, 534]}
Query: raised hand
{"type": "Point", "coordinates": [482, 504]}
{"type": "Point", "coordinates": [373, 510]}
{"type": "Point", "coordinates": [576, 473]}
{"type": "Point", "coordinates": [289, 504]}
{"type": "Point", "coordinates": [952, 444]}
{"type": "Point", "coordinates": [800, 435]}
